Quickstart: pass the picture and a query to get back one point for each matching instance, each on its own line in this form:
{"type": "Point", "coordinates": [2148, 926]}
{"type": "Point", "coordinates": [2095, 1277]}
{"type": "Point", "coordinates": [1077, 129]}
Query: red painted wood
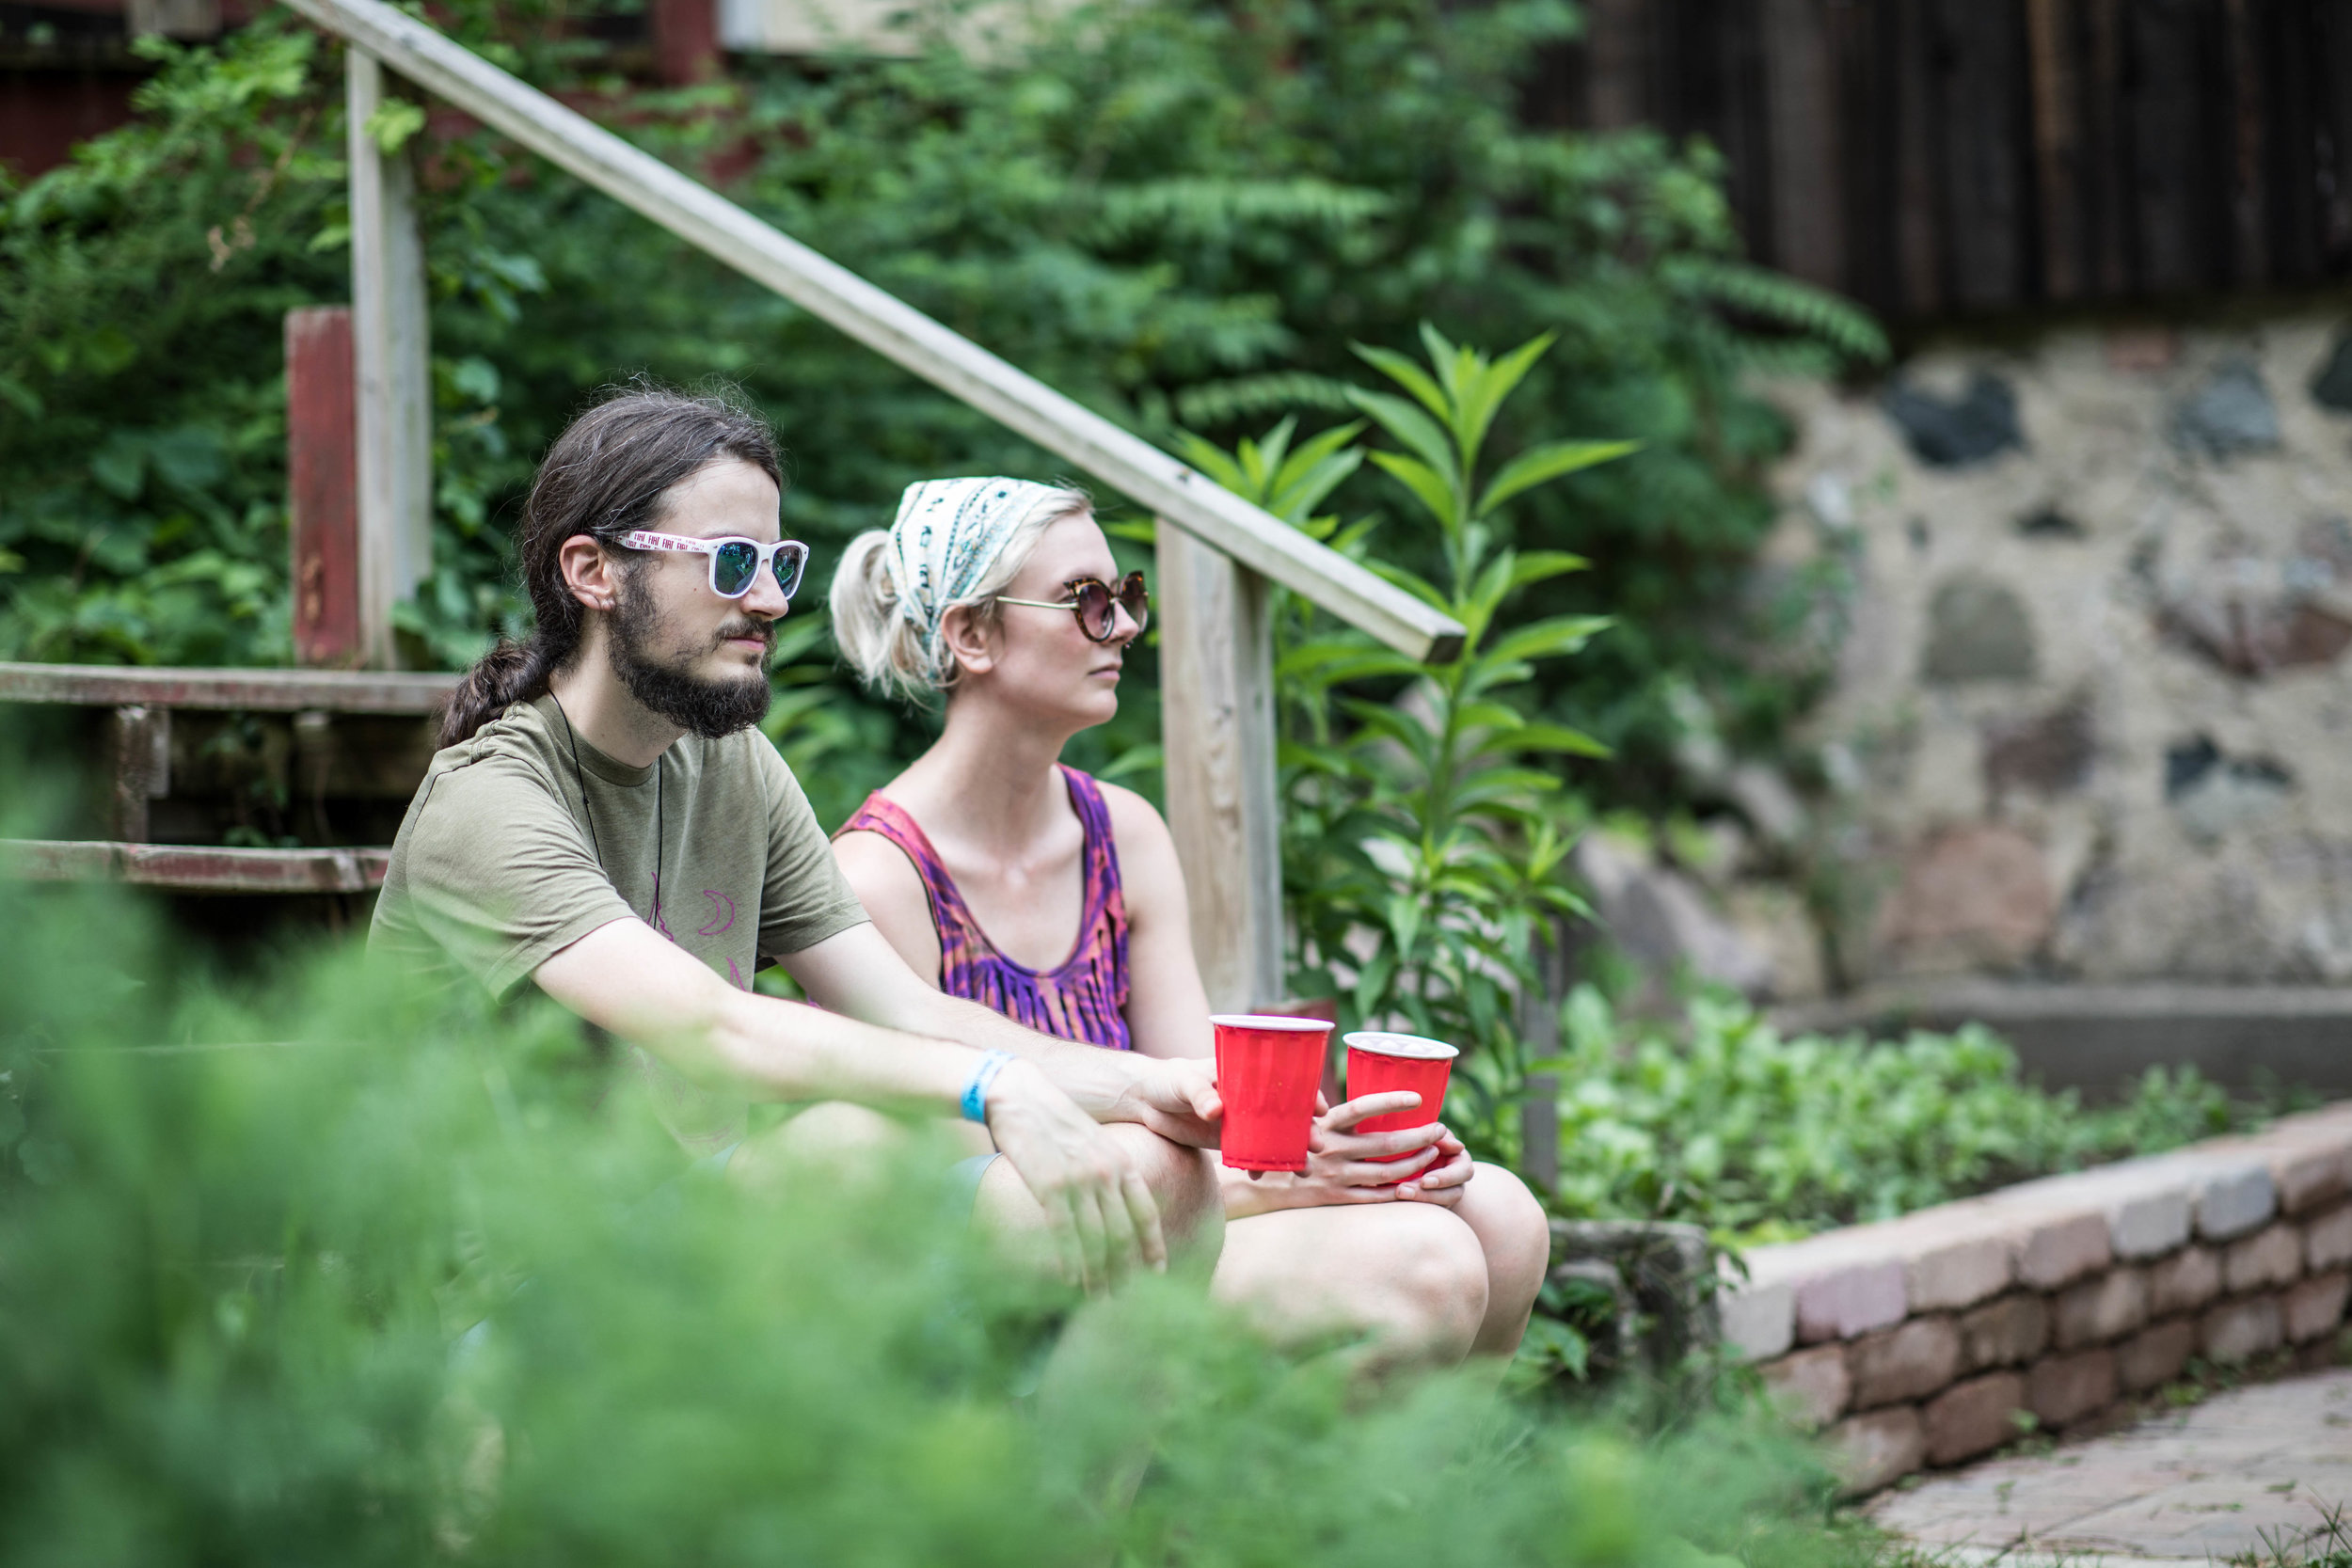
{"type": "Point", "coordinates": [323, 485]}
{"type": "Point", "coordinates": [686, 39]}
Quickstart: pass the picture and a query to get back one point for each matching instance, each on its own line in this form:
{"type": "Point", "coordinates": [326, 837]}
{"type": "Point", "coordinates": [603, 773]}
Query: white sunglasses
{"type": "Point", "coordinates": [735, 562]}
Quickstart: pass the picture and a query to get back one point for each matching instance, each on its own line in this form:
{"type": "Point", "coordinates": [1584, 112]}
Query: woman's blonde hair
{"type": "Point", "coordinates": [890, 648]}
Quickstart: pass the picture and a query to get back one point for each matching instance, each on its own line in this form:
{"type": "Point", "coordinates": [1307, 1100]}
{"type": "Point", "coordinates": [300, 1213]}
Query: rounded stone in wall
{"type": "Point", "coordinates": [1977, 630]}
{"type": "Point", "coordinates": [1973, 895]}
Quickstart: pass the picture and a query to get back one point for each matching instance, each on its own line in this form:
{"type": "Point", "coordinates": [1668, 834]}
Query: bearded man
{"type": "Point", "coordinates": [605, 822]}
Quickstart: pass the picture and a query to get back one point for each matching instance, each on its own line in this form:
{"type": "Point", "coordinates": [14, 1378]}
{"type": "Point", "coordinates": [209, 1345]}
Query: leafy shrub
{"type": "Point", "coordinates": [341, 1273]}
{"type": "Point", "coordinates": [1726, 1123]}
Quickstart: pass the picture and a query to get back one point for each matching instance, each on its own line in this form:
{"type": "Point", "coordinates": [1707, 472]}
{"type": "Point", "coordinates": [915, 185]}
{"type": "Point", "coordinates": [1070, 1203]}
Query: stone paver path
{"type": "Point", "coordinates": [2205, 1484]}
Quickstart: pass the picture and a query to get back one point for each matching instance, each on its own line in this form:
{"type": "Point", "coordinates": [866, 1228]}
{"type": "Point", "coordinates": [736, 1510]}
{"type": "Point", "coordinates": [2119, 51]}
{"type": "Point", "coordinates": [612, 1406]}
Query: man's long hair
{"type": "Point", "coordinates": [604, 476]}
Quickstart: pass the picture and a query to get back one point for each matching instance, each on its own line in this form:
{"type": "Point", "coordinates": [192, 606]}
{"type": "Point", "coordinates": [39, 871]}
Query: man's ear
{"type": "Point", "coordinates": [970, 644]}
{"type": "Point", "coordinates": [590, 572]}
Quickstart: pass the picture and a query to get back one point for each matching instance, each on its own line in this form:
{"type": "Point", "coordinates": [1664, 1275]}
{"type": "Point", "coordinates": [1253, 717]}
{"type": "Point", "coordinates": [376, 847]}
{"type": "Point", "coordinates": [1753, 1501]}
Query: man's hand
{"type": "Point", "coordinates": [1175, 1097]}
{"type": "Point", "coordinates": [1099, 1211]}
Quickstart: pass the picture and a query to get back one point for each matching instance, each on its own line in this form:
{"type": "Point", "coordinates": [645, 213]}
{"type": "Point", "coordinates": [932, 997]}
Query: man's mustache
{"type": "Point", "coordinates": [763, 631]}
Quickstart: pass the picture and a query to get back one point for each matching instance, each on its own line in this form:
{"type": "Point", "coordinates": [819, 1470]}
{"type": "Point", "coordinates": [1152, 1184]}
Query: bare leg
{"type": "Point", "coordinates": [1516, 1237]}
{"type": "Point", "coordinates": [1411, 1277]}
{"type": "Point", "coordinates": [1183, 1180]}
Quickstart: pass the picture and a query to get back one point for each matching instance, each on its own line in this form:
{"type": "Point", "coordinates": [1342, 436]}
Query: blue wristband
{"type": "Point", "coordinates": [975, 1086]}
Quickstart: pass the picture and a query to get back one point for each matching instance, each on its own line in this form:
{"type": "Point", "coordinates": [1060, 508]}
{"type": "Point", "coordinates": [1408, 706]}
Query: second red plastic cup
{"type": "Point", "coordinates": [1267, 1071]}
{"type": "Point", "coordinates": [1382, 1063]}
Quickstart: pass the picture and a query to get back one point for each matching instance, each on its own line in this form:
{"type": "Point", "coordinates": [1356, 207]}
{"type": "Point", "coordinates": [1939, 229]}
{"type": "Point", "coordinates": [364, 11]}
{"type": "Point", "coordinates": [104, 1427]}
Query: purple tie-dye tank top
{"type": "Point", "coordinates": [1086, 998]}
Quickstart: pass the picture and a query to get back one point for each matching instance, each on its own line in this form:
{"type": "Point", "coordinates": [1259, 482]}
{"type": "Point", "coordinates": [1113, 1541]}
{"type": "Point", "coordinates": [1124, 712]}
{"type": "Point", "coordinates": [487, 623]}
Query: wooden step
{"type": "Point", "coordinates": [387, 692]}
{"type": "Point", "coordinates": [194, 867]}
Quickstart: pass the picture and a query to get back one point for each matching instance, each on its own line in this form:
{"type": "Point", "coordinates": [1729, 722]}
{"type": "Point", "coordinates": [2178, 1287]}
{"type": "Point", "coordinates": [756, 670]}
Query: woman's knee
{"type": "Point", "coordinates": [1511, 1226]}
{"type": "Point", "coordinates": [1435, 1281]}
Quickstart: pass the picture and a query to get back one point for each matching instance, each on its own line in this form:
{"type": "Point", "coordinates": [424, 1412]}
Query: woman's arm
{"type": "Point", "coordinates": [1167, 1008]}
{"type": "Point", "coordinates": [886, 882]}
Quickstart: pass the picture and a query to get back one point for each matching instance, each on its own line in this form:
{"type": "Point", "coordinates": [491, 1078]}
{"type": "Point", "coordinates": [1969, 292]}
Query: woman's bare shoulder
{"type": "Point", "coordinates": [1135, 822]}
{"type": "Point", "coordinates": [877, 867]}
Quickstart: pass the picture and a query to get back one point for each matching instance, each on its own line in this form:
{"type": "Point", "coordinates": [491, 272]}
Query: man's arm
{"type": "Point", "coordinates": [628, 978]}
{"type": "Point", "coordinates": [857, 972]}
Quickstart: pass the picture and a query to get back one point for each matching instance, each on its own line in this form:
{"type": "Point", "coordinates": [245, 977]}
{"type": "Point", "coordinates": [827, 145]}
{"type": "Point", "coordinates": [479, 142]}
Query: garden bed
{"type": "Point", "coordinates": [2044, 1306]}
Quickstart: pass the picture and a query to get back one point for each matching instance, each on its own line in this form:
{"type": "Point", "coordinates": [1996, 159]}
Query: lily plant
{"type": "Point", "coordinates": [1426, 824]}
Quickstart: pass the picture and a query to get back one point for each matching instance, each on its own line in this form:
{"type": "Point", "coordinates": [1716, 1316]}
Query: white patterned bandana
{"type": "Point", "coordinates": [948, 533]}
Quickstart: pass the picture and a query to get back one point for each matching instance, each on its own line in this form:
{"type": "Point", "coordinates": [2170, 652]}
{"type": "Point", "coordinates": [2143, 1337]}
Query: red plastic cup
{"type": "Point", "coordinates": [1382, 1063]}
{"type": "Point", "coordinates": [1267, 1072]}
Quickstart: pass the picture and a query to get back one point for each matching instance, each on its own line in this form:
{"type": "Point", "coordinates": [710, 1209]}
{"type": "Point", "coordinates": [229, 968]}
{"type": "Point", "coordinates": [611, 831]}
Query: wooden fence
{"type": "Point", "coordinates": [1932, 157]}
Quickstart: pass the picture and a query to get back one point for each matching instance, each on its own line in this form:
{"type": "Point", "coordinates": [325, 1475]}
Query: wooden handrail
{"type": "Point", "coordinates": [694, 213]}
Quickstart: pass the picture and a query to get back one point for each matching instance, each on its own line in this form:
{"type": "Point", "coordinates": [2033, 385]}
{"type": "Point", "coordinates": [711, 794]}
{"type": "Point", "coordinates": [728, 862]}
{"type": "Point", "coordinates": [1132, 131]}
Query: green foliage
{"type": "Point", "coordinates": [1175, 213]}
{"type": "Point", "coordinates": [1424, 844]}
{"type": "Point", "coordinates": [337, 1272]}
{"type": "Point", "coordinates": [1725, 1123]}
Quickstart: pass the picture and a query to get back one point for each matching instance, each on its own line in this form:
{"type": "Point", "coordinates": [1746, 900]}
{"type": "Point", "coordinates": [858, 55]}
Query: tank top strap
{"type": "Point", "coordinates": [1102, 886]}
{"type": "Point", "coordinates": [950, 916]}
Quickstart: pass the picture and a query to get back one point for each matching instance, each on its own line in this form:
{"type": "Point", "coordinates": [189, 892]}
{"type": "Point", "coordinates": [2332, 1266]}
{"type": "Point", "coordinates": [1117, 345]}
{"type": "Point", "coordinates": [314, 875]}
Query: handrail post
{"type": "Point", "coordinates": [391, 353]}
{"type": "Point", "coordinates": [1216, 707]}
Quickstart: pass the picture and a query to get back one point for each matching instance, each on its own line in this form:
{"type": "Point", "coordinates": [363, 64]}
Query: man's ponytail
{"type": "Point", "coordinates": [611, 471]}
{"type": "Point", "coordinates": [510, 673]}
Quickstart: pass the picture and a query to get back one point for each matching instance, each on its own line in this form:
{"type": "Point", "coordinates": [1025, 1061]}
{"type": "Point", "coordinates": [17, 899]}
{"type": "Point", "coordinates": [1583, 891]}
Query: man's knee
{"type": "Point", "coordinates": [833, 1136]}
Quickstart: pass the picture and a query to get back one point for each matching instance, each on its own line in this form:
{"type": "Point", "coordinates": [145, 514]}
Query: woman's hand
{"type": "Point", "coordinates": [1341, 1166]}
{"type": "Point", "coordinates": [1444, 1178]}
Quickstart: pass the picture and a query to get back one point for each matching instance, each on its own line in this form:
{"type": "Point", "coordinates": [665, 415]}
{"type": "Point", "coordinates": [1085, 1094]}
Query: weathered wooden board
{"type": "Point", "coordinates": [1216, 720]}
{"type": "Point", "coordinates": [1931, 156]}
{"type": "Point", "coordinates": [391, 329]}
{"type": "Point", "coordinates": [1808, 233]}
{"type": "Point", "coordinates": [265, 690]}
{"type": "Point", "coordinates": [194, 868]}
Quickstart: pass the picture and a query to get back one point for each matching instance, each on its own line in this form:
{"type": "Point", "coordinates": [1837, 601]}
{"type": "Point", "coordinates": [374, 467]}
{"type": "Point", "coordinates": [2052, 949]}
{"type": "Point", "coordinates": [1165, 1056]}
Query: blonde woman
{"type": "Point", "coordinates": [1004, 877]}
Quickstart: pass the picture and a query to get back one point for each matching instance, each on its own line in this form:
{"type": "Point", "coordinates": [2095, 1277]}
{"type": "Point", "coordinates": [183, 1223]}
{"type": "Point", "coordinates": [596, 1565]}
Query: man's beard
{"type": "Point", "coordinates": [709, 708]}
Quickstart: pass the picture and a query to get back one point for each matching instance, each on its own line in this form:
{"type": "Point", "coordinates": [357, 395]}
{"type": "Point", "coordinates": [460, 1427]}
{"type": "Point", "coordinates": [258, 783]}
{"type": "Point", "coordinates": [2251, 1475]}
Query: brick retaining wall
{"type": "Point", "coordinates": [1928, 1339]}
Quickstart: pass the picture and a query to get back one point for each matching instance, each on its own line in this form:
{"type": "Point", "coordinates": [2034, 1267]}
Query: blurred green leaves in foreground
{"type": "Point", "coordinates": [328, 1271]}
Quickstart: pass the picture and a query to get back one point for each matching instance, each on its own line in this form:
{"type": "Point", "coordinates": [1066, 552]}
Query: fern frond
{"type": "Point", "coordinates": [1245, 397]}
{"type": "Point", "coordinates": [1781, 299]}
{"type": "Point", "coordinates": [1211, 208]}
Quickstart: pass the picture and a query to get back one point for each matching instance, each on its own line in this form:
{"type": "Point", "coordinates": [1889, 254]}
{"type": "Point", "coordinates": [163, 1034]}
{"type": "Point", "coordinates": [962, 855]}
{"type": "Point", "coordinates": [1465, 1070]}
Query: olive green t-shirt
{"type": "Point", "coordinates": [517, 846]}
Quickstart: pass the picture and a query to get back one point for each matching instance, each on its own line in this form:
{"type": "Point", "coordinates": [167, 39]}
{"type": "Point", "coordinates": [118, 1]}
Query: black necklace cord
{"type": "Point", "coordinates": [579, 782]}
{"type": "Point", "coordinates": [660, 824]}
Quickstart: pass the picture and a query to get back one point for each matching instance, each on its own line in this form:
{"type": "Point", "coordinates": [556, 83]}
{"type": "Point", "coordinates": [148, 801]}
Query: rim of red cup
{"type": "Point", "coordinates": [1268, 1020]}
{"type": "Point", "coordinates": [1418, 1047]}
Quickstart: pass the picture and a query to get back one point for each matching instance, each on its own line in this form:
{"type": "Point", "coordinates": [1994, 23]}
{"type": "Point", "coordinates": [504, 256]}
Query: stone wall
{"type": "Point", "coordinates": [1933, 1338]}
{"type": "Point", "coordinates": [2088, 602]}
